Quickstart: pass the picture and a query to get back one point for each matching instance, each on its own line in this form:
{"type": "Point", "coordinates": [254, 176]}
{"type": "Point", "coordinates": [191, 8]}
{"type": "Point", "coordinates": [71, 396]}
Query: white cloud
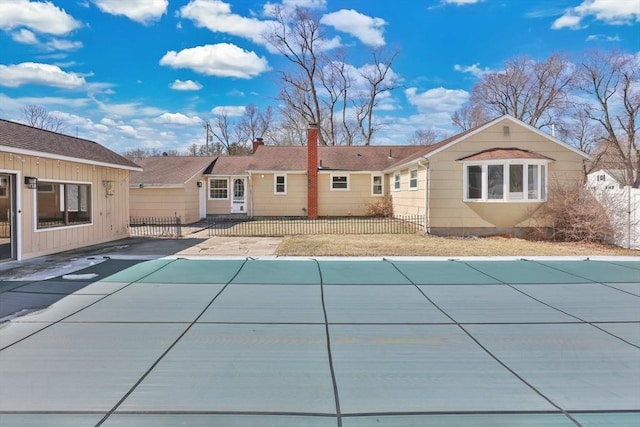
{"type": "Point", "coordinates": [567, 21]}
{"type": "Point", "coordinates": [474, 70]}
{"type": "Point", "coordinates": [222, 60]}
{"type": "Point", "coordinates": [216, 16]}
{"type": "Point", "coordinates": [437, 100]}
{"type": "Point", "coordinates": [24, 36]}
{"type": "Point", "coordinates": [612, 12]}
{"type": "Point", "coordinates": [41, 17]}
{"type": "Point", "coordinates": [177, 119]}
{"type": "Point", "coordinates": [59, 44]}
{"type": "Point", "coordinates": [185, 85]}
{"type": "Point", "coordinates": [142, 11]}
{"type": "Point", "coordinates": [269, 8]}
{"type": "Point", "coordinates": [229, 110]}
{"type": "Point", "coordinates": [367, 29]}
{"type": "Point", "coordinates": [39, 74]}
{"type": "Point", "coordinates": [601, 37]}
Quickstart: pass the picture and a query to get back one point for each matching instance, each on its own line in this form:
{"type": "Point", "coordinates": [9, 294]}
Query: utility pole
{"type": "Point", "coordinates": [208, 136]}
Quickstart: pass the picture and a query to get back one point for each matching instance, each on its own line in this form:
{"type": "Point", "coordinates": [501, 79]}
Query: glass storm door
{"type": "Point", "coordinates": [239, 199]}
{"type": "Point", "coordinates": [7, 217]}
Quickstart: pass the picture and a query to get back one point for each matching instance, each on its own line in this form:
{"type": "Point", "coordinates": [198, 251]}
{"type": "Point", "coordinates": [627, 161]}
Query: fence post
{"type": "Point", "coordinates": [178, 227]}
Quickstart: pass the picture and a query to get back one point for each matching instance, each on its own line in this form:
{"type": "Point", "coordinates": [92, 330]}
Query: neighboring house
{"type": "Point", "coordinates": [170, 186]}
{"type": "Point", "coordinates": [58, 192]}
{"type": "Point", "coordinates": [622, 204]}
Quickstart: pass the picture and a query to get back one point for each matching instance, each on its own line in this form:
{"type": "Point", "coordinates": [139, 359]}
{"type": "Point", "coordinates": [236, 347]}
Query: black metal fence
{"type": "Point", "coordinates": [5, 229]}
{"type": "Point", "coordinates": [288, 226]}
{"type": "Point", "coordinates": [169, 227]}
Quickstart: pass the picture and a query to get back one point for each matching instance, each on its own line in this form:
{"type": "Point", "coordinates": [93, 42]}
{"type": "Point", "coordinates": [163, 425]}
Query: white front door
{"type": "Point", "coordinates": [202, 199]}
{"type": "Point", "coordinates": [239, 196]}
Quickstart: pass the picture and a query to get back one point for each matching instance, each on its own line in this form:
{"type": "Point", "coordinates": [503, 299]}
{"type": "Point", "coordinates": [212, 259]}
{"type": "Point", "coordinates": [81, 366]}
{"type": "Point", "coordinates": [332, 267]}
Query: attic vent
{"type": "Point", "coordinates": [505, 130]}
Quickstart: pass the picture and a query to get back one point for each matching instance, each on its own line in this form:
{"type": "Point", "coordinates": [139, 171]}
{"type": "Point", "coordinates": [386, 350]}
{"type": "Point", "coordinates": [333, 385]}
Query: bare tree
{"type": "Point", "coordinates": [612, 79]}
{"type": "Point", "coordinates": [321, 87]}
{"type": "Point", "coordinates": [297, 36]}
{"type": "Point", "coordinates": [470, 116]}
{"type": "Point", "coordinates": [39, 117]}
{"type": "Point", "coordinates": [376, 75]}
{"type": "Point", "coordinates": [586, 135]}
{"type": "Point", "coordinates": [254, 123]}
{"type": "Point", "coordinates": [427, 136]}
{"type": "Point", "coordinates": [534, 92]}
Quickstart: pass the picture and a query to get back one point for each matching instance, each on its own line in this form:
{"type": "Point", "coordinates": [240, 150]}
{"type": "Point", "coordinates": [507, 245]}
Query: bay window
{"type": "Point", "coordinates": [505, 181]}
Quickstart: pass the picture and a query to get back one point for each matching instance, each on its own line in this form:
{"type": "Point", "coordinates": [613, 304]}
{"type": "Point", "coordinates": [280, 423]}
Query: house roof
{"type": "Point", "coordinates": [229, 165]}
{"type": "Point", "coordinates": [342, 158]}
{"type": "Point", "coordinates": [504, 154]}
{"type": "Point", "coordinates": [22, 139]}
{"type": "Point", "coordinates": [164, 171]}
{"type": "Point", "coordinates": [446, 143]}
{"type": "Point", "coordinates": [617, 175]}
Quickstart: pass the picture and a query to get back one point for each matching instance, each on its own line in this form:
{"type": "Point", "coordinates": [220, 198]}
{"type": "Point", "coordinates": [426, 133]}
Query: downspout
{"type": "Point", "coordinates": [251, 192]}
{"type": "Point", "coordinates": [427, 195]}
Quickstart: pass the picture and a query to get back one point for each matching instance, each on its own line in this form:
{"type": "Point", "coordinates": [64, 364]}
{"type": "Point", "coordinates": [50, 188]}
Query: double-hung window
{"type": "Point", "coordinates": [507, 181]}
{"type": "Point", "coordinates": [339, 182]}
{"type": "Point", "coordinates": [61, 204]}
{"type": "Point", "coordinates": [396, 181]}
{"type": "Point", "coordinates": [413, 179]}
{"type": "Point", "coordinates": [219, 188]}
{"type": "Point", "coordinates": [280, 184]}
{"type": "Point", "coordinates": [377, 187]}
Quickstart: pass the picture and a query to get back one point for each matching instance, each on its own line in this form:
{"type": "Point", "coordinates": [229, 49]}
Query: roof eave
{"type": "Point", "coordinates": [67, 158]}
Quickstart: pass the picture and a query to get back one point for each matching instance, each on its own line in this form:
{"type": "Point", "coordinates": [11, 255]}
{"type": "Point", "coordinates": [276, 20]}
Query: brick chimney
{"type": "Point", "coordinates": [312, 171]}
{"type": "Point", "coordinates": [257, 144]}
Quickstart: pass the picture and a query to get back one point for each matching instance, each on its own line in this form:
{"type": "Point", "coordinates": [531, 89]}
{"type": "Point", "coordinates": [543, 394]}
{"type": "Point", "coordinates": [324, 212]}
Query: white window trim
{"type": "Point", "coordinates": [209, 188]}
{"type": "Point", "coordinates": [339, 175]}
{"type": "Point", "coordinates": [397, 181]}
{"type": "Point", "coordinates": [275, 184]}
{"type": "Point", "coordinates": [413, 188]}
{"type": "Point", "coordinates": [373, 176]}
{"type": "Point", "coordinates": [506, 163]}
{"type": "Point", "coordinates": [62, 227]}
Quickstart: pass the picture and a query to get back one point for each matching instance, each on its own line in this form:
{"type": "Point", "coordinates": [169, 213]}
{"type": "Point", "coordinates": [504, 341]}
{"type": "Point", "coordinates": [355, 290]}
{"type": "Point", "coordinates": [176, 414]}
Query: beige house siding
{"type": "Point", "coordinates": [191, 194]}
{"type": "Point", "coordinates": [157, 202]}
{"type": "Point", "coordinates": [447, 208]}
{"type": "Point", "coordinates": [351, 202]}
{"type": "Point", "coordinates": [109, 212]}
{"type": "Point", "coordinates": [406, 201]}
{"type": "Point", "coordinates": [267, 203]}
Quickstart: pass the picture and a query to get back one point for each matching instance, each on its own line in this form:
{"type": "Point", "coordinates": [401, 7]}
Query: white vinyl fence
{"type": "Point", "coordinates": [623, 207]}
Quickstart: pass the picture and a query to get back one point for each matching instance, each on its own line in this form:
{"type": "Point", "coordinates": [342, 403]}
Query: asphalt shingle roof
{"type": "Point", "coordinates": [39, 141]}
{"type": "Point", "coordinates": [503, 154]}
{"type": "Point", "coordinates": [169, 170]}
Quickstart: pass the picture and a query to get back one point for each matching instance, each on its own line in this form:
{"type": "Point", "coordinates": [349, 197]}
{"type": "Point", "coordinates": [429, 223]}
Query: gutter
{"type": "Point", "coordinates": [427, 194]}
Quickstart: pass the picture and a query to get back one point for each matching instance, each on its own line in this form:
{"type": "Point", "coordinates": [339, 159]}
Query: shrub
{"type": "Point", "coordinates": [575, 215]}
{"type": "Point", "coordinates": [381, 207]}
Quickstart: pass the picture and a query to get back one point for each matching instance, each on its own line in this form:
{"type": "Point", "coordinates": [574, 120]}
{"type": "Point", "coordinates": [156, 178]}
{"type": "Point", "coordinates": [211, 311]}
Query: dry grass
{"type": "Point", "coordinates": [419, 245]}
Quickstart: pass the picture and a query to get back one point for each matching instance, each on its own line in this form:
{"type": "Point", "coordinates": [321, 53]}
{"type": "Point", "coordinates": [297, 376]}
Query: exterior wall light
{"type": "Point", "coordinates": [31, 182]}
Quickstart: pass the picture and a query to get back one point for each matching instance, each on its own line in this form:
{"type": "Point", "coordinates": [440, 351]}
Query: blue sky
{"type": "Point", "coordinates": [146, 73]}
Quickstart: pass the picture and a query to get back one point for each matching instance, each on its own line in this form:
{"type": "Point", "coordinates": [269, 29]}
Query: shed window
{"type": "Point", "coordinates": [63, 204]}
{"type": "Point", "coordinates": [219, 189]}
